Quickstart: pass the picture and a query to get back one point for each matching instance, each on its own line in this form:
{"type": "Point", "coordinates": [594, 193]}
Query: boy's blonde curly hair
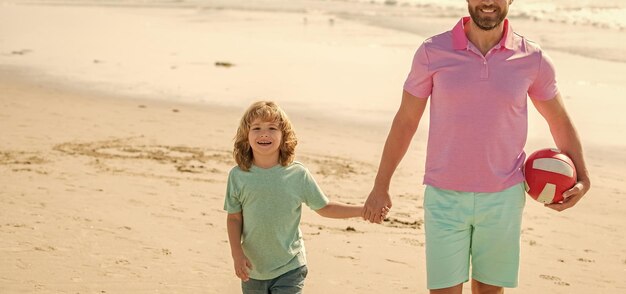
{"type": "Point", "coordinates": [270, 112]}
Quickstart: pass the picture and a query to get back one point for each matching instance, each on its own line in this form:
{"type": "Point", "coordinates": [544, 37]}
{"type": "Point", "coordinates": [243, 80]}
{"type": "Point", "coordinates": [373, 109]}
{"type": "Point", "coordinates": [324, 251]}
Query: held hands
{"type": "Point", "coordinates": [571, 196]}
{"type": "Point", "coordinates": [376, 207]}
{"type": "Point", "coordinates": [242, 267]}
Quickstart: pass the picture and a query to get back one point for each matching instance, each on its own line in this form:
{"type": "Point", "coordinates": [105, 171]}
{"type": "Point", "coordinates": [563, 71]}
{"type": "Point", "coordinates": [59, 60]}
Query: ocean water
{"type": "Point", "coordinates": [605, 14]}
{"type": "Point", "coordinates": [585, 27]}
{"type": "Point", "coordinates": [609, 14]}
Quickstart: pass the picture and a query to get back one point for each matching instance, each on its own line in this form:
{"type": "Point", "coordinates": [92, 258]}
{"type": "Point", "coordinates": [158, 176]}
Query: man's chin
{"type": "Point", "coordinates": [488, 25]}
{"type": "Point", "coordinates": [487, 28]}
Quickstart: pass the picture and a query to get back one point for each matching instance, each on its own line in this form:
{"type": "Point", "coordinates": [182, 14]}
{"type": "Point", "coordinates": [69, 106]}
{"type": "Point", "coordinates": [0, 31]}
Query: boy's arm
{"type": "Point", "coordinates": [340, 210]}
{"type": "Point", "coordinates": [234, 225]}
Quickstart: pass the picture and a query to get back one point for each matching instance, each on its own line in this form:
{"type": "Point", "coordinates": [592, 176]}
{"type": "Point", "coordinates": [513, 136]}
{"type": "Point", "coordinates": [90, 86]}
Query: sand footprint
{"type": "Point", "coordinates": [128, 156]}
{"type": "Point", "coordinates": [20, 157]}
{"type": "Point", "coordinates": [396, 261]}
{"type": "Point", "coordinates": [345, 257]}
{"type": "Point", "coordinates": [398, 223]}
{"type": "Point", "coordinates": [555, 279]}
{"type": "Point", "coordinates": [23, 161]}
{"type": "Point", "coordinates": [413, 242]}
{"type": "Point", "coordinates": [20, 52]}
{"type": "Point", "coordinates": [332, 166]}
{"type": "Point", "coordinates": [586, 260]}
{"type": "Point", "coordinates": [122, 262]}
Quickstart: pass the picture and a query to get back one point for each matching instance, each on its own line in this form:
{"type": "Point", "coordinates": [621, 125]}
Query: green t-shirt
{"type": "Point", "coordinates": [271, 203]}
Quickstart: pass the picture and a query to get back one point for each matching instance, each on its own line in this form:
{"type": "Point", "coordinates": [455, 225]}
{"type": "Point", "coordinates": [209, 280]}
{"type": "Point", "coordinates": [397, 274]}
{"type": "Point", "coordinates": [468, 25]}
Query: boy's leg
{"type": "Point", "coordinates": [291, 282]}
{"type": "Point", "coordinates": [253, 286]}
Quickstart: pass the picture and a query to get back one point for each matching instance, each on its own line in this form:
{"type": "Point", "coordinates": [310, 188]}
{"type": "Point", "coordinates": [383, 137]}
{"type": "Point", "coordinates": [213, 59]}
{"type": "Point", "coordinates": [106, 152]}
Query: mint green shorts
{"type": "Point", "coordinates": [481, 229]}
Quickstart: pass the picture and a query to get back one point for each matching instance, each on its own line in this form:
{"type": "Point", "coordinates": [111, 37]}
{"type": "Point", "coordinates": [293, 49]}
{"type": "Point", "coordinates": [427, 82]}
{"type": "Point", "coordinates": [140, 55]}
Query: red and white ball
{"type": "Point", "coordinates": [548, 174]}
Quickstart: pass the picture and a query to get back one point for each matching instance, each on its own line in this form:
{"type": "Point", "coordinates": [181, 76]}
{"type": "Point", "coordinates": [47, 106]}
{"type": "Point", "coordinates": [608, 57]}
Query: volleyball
{"type": "Point", "coordinates": [549, 173]}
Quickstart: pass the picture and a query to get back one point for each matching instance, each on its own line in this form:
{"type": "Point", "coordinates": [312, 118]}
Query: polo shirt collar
{"type": "Point", "coordinates": [460, 41]}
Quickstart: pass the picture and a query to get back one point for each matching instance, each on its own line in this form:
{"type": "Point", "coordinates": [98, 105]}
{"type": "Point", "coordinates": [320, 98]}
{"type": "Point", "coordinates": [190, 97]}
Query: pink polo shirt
{"type": "Point", "coordinates": [478, 107]}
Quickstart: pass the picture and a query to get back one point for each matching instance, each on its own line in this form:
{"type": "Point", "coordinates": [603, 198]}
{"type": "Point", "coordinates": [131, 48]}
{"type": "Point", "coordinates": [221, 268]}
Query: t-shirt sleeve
{"type": "Point", "coordinates": [544, 86]}
{"type": "Point", "coordinates": [314, 197]}
{"type": "Point", "coordinates": [419, 82]}
{"type": "Point", "coordinates": [232, 201]}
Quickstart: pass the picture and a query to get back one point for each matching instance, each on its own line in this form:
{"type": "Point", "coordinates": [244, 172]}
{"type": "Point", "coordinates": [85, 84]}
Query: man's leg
{"type": "Point", "coordinates": [458, 289]}
{"type": "Point", "coordinates": [482, 288]}
{"type": "Point", "coordinates": [477, 288]}
{"type": "Point", "coordinates": [496, 238]}
{"type": "Point", "coordinates": [448, 238]}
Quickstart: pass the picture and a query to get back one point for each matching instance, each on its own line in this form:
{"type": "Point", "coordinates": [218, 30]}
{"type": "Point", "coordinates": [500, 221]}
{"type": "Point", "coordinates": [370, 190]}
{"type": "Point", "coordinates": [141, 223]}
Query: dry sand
{"type": "Point", "coordinates": [109, 185]}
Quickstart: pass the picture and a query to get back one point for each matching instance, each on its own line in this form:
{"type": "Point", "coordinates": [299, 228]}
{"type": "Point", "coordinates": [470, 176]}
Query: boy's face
{"type": "Point", "coordinates": [265, 138]}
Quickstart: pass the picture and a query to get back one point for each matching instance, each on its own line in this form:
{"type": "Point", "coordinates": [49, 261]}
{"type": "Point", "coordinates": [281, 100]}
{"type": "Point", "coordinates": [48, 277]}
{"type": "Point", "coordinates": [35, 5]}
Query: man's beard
{"type": "Point", "coordinates": [487, 23]}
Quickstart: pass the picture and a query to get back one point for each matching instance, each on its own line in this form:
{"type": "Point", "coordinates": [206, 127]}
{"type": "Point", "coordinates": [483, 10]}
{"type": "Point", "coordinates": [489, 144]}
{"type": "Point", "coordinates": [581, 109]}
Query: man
{"type": "Point", "coordinates": [478, 77]}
